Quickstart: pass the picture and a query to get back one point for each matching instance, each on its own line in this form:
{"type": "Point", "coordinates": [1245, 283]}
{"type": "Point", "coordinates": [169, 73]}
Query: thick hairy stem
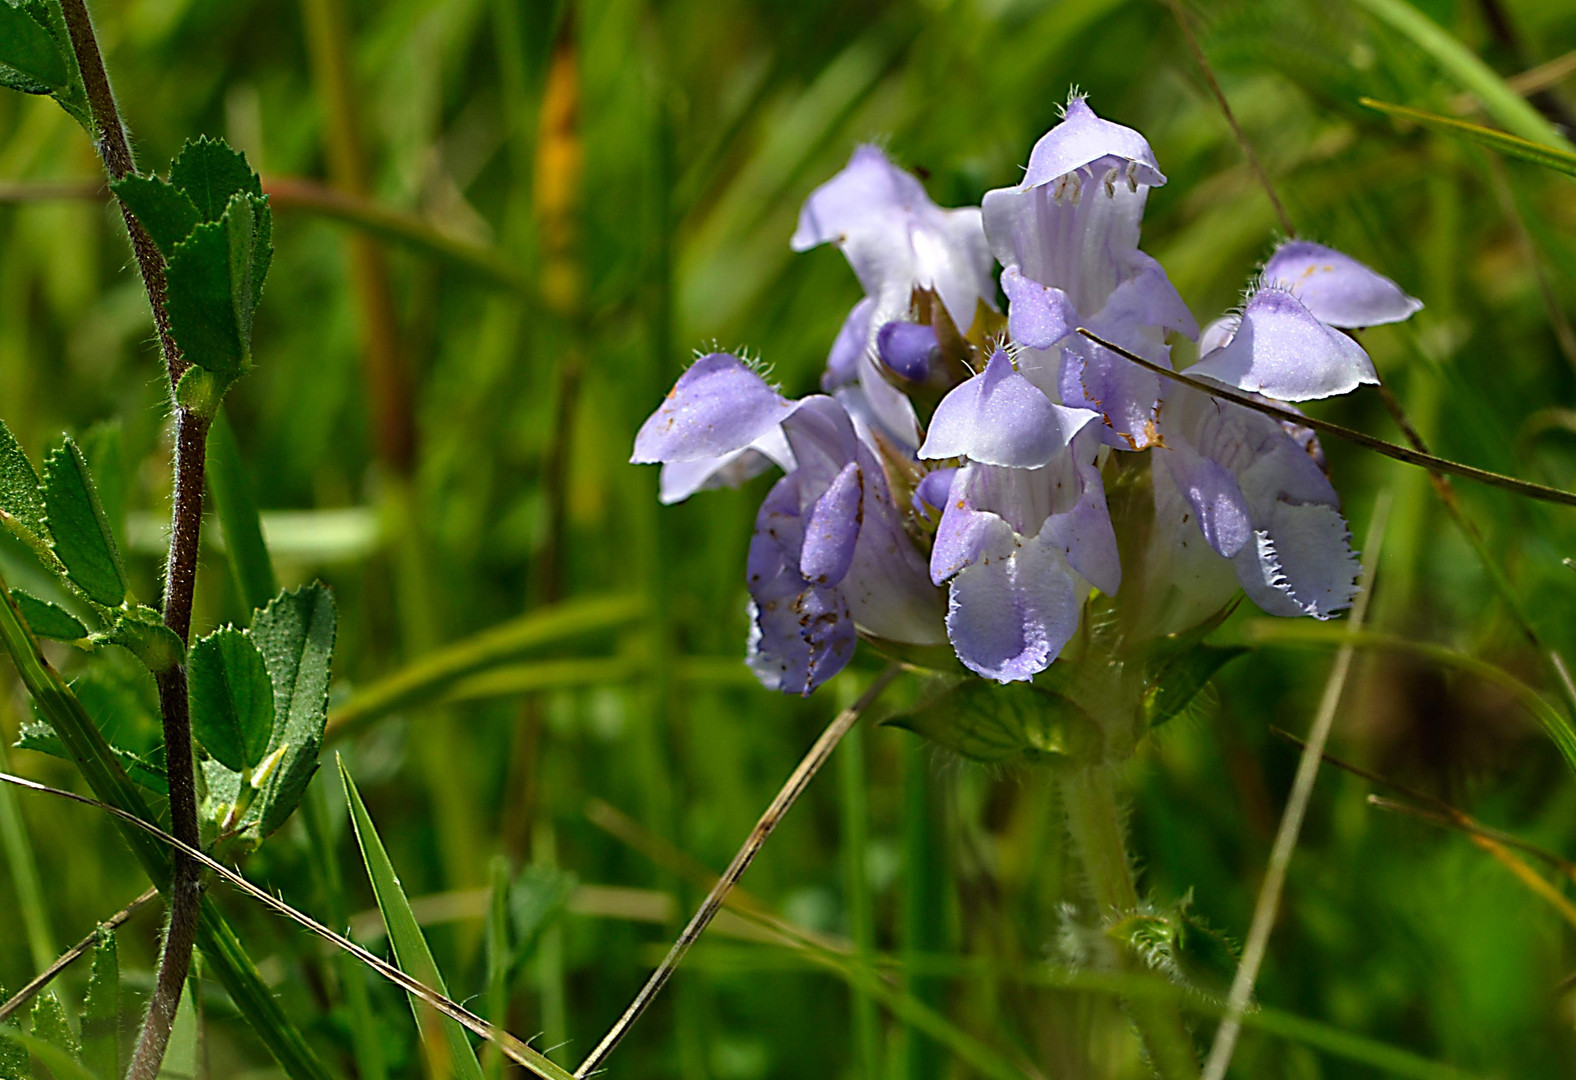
{"type": "Point", "coordinates": [191, 436]}
{"type": "Point", "coordinates": [1095, 821]}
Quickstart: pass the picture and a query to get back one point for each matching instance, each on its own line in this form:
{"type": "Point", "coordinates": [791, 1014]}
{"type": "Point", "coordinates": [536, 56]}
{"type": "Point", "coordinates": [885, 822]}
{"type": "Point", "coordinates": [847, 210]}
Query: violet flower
{"type": "Point", "coordinates": [830, 557]}
{"type": "Point", "coordinates": [1254, 489]}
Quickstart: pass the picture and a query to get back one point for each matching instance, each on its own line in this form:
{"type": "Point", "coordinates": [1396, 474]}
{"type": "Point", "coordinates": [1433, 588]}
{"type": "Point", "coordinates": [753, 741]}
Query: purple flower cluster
{"type": "Point", "coordinates": [996, 496]}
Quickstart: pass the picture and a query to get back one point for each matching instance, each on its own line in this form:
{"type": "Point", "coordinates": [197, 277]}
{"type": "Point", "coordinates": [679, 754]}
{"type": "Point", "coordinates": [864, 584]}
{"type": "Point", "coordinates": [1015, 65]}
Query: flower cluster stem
{"type": "Point", "coordinates": [1094, 819]}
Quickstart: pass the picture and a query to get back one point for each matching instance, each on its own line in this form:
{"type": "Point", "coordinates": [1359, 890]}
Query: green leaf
{"type": "Point", "coordinates": [20, 495]}
{"type": "Point", "coordinates": [410, 947]}
{"type": "Point", "coordinates": [78, 528]}
{"type": "Point", "coordinates": [221, 949]}
{"type": "Point", "coordinates": [166, 211]}
{"type": "Point", "coordinates": [215, 277]}
{"type": "Point", "coordinates": [41, 738]}
{"type": "Point", "coordinates": [210, 173]}
{"type": "Point", "coordinates": [50, 1024]}
{"type": "Point", "coordinates": [1176, 679]}
{"type": "Point", "coordinates": [14, 1061]}
{"type": "Point", "coordinates": [101, 1009]}
{"type": "Point", "coordinates": [1550, 157]}
{"type": "Point", "coordinates": [49, 620]}
{"type": "Point", "coordinates": [30, 60]}
{"type": "Point", "coordinates": [295, 634]}
{"type": "Point", "coordinates": [180, 1055]}
{"type": "Point", "coordinates": [537, 897]}
{"type": "Point", "coordinates": [232, 698]}
{"type": "Point", "coordinates": [141, 631]}
{"type": "Point", "coordinates": [1016, 722]}
{"type": "Point", "coordinates": [104, 447]}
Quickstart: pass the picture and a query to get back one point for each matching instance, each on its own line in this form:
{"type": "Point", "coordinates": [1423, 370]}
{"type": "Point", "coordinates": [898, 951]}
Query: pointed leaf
{"type": "Point", "coordinates": [101, 1009]}
{"type": "Point", "coordinates": [50, 1024]}
{"type": "Point", "coordinates": [1176, 679]}
{"type": "Point", "coordinates": [1551, 157]}
{"type": "Point", "coordinates": [410, 947]}
{"type": "Point", "coordinates": [999, 723]}
{"type": "Point", "coordinates": [201, 308]}
{"type": "Point", "coordinates": [48, 620]}
{"type": "Point", "coordinates": [295, 634]}
{"type": "Point", "coordinates": [20, 494]}
{"type": "Point", "coordinates": [180, 1054]}
{"type": "Point", "coordinates": [14, 1061]}
{"type": "Point", "coordinates": [232, 698]}
{"type": "Point", "coordinates": [30, 60]}
{"type": "Point", "coordinates": [166, 211]}
{"type": "Point", "coordinates": [78, 528]}
{"type": "Point", "coordinates": [210, 174]}
{"type": "Point", "coordinates": [41, 739]}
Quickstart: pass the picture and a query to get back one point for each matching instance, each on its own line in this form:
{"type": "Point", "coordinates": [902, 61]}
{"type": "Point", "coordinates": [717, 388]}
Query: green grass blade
{"type": "Point", "coordinates": [435, 672]}
{"type": "Point", "coordinates": [109, 783]}
{"type": "Point", "coordinates": [1462, 64]}
{"type": "Point", "coordinates": [251, 567]}
{"type": "Point", "coordinates": [24, 874]}
{"type": "Point", "coordinates": [499, 955]}
{"type": "Point", "coordinates": [61, 1064]}
{"type": "Point", "coordinates": [364, 1034]}
{"type": "Point", "coordinates": [410, 946]}
{"type": "Point", "coordinates": [181, 1056]}
{"type": "Point", "coordinates": [1550, 157]}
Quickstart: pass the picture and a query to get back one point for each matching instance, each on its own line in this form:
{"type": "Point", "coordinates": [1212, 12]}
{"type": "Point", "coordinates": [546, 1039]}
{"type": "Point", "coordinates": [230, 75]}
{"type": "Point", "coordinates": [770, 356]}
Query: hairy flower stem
{"type": "Point", "coordinates": [191, 437]}
{"type": "Point", "coordinates": [1095, 821]}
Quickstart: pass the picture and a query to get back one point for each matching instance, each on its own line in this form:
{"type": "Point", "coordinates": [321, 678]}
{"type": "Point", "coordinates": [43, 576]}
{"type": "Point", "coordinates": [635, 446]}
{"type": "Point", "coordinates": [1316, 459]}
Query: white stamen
{"type": "Point", "coordinates": [1132, 177]}
{"type": "Point", "coordinates": [1110, 181]}
{"type": "Point", "coordinates": [1077, 188]}
{"type": "Point", "coordinates": [1061, 186]}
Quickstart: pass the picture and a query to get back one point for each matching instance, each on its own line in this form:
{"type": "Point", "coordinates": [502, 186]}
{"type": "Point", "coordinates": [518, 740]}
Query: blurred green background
{"type": "Point", "coordinates": [503, 226]}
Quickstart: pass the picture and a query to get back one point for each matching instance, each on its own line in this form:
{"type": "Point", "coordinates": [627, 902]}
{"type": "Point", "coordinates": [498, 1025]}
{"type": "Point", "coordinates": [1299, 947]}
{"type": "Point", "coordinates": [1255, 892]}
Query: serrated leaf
{"type": "Point", "coordinates": [410, 947]}
{"type": "Point", "coordinates": [166, 211]}
{"type": "Point", "coordinates": [215, 277]}
{"type": "Point", "coordinates": [232, 698]}
{"type": "Point", "coordinates": [295, 634]}
{"type": "Point", "coordinates": [210, 173]}
{"type": "Point", "coordinates": [48, 620]}
{"type": "Point", "coordinates": [201, 304]}
{"type": "Point", "coordinates": [995, 723]}
{"type": "Point", "coordinates": [41, 738]}
{"type": "Point", "coordinates": [20, 494]}
{"type": "Point", "coordinates": [1176, 678]}
{"type": "Point", "coordinates": [30, 60]}
{"type": "Point", "coordinates": [104, 448]}
{"type": "Point", "coordinates": [14, 1062]}
{"type": "Point", "coordinates": [101, 1009]}
{"type": "Point", "coordinates": [78, 528]}
{"type": "Point", "coordinates": [50, 1024]}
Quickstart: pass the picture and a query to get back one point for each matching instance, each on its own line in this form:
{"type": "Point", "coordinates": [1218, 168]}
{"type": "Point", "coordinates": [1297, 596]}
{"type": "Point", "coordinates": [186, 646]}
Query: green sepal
{"type": "Point", "coordinates": [1178, 679]}
{"type": "Point", "coordinates": [210, 174]}
{"type": "Point", "coordinates": [142, 632]}
{"type": "Point", "coordinates": [79, 530]}
{"type": "Point", "coordinates": [996, 724]}
{"type": "Point", "coordinates": [1182, 946]}
{"type": "Point", "coordinates": [101, 1009]}
{"type": "Point", "coordinates": [48, 620]}
{"type": "Point", "coordinates": [295, 634]}
{"type": "Point", "coordinates": [39, 737]}
{"type": "Point", "coordinates": [232, 698]}
{"type": "Point", "coordinates": [21, 496]}
{"type": "Point", "coordinates": [166, 211]}
{"type": "Point", "coordinates": [30, 58]}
